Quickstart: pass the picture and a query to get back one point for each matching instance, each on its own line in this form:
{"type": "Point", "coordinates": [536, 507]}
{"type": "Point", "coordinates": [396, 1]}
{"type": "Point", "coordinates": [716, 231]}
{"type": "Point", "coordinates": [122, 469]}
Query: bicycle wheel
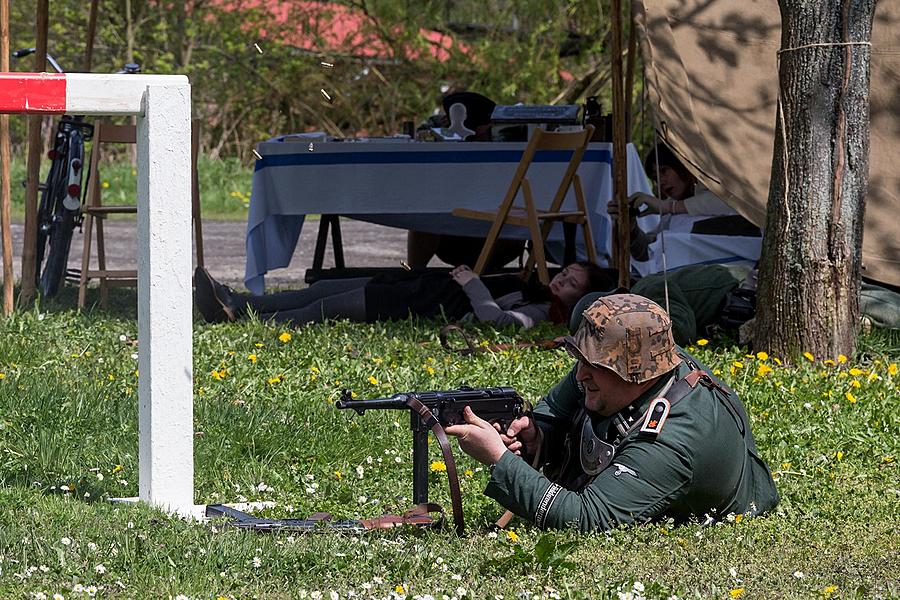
{"type": "Point", "coordinates": [51, 196]}
{"type": "Point", "coordinates": [64, 219]}
{"type": "Point", "coordinates": [58, 255]}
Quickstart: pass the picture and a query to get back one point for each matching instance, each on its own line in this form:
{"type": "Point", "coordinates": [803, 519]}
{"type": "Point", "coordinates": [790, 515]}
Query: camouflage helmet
{"type": "Point", "coordinates": [627, 334]}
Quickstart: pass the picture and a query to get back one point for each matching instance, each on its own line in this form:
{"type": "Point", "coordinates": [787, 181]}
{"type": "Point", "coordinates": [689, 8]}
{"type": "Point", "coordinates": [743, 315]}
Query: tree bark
{"type": "Point", "coordinates": [810, 270]}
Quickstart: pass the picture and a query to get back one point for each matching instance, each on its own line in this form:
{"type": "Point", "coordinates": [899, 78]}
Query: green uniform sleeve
{"type": "Point", "coordinates": [643, 481]}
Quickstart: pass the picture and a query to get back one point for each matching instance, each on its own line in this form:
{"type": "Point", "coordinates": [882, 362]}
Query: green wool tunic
{"type": "Point", "coordinates": [696, 296]}
{"type": "Point", "coordinates": [704, 462]}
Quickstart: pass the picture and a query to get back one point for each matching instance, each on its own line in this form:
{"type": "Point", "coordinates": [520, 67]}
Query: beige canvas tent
{"type": "Point", "coordinates": [712, 77]}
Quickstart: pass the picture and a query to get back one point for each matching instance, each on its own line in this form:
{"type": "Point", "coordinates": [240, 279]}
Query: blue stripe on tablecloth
{"type": "Point", "coordinates": [424, 157]}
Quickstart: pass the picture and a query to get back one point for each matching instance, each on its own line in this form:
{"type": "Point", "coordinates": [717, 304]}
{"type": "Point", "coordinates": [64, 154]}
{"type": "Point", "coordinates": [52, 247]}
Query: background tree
{"type": "Point", "coordinates": [810, 269]}
{"type": "Point", "coordinates": [524, 51]}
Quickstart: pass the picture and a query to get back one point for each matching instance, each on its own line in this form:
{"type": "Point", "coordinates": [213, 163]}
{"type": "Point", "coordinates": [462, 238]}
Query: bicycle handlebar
{"type": "Point", "coordinates": [128, 68]}
{"type": "Point", "coordinates": [23, 52]}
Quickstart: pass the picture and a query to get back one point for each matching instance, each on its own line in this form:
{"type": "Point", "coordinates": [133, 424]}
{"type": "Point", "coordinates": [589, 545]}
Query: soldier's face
{"type": "Point", "coordinates": [605, 393]}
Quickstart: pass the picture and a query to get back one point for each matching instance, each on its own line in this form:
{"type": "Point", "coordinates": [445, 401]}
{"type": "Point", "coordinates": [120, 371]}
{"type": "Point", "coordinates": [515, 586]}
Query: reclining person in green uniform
{"type": "Point", "coordinates": [637, 431]}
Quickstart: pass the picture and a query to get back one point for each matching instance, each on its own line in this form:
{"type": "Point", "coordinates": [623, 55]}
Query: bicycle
{"type": "Point", "coordinates": [59, 212]}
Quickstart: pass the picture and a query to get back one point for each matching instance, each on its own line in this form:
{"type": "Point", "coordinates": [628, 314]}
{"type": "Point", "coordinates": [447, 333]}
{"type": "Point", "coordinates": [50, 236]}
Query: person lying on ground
{"type": "Point", "coordinates": [700, 297]}
{"type": "Point", "coordinates": [682, 197]}
{"type": "Point", "coordinates": [499, 299]}
{"type": "Point", "coordinates": [637, 431]}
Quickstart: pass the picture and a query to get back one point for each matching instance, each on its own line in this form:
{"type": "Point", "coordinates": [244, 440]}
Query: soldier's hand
{"type": "Point", "coordinates": [521, 435]}
{"type": "Point", "coordinates": [478, 438]}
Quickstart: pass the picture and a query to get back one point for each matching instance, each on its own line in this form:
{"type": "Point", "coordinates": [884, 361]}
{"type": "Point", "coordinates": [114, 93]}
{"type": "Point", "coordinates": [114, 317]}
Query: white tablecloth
{"type": "Point", "coordinates": [413, 185]}
{"type": "Point", "coordinates": [683, 248]}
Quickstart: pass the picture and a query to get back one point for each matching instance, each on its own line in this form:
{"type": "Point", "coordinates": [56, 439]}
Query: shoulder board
{"type": "Point", "coordinates": [656, 416]}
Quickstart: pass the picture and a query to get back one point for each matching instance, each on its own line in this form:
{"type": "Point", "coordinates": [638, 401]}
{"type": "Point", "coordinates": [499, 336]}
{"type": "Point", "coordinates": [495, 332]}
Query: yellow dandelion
{"type": "Point", "coordinates": [777, 361]}
{"type": "Point", "coordinates": [829, 362]}
{"type": "Point", "coordinates": [850, 397]}
{"type": "Point", "coordinates": [856, 372]}
{"type": "Point", "coordinates": [738, 364]}
{"type": "Point", "coordinates": [762, 355]}
{"type": "Point", "coordinates": [372, 380]}
{"type": "Point", "coordinates": [219, 375]}
{"type": "Point", "coordinates": [839, 455]}
{"type": "Point", "coordinates": [763, 370]}
{"type": "Point", "coordinates": [809, 356]}
{"type": "Point", "coordinates": [399, 589]}
{"type": "Point", "coordinates": [438, 466]}
{"type": "Point", "coordinates": [285, 337]}
{"type": "Point", "coordinates": [737, 592]}
{"type": "Point", "coordinates": [855, 383]}
{"type": "Point", "coordinates": [738, 518]}
{"type": "Point", "coordinates": [276, 379]}
{"type": "Point", "coordinates": [259, 345]}
{"type": "Point", "coordinates": [2, 375]}
{"type": "Point", "coordinates": [842, 359]}
{"type": "Point", "coordinates": [887, 459]}
{"type": "Point", "coordinates": [104, 185]}
{"type": "Point", "coordinates": [785, 465]}
{"type": "Point", "coordinates": [116, 469]}
{"type": "Point", "coordinates": [892, 369]}
{"type": "Point", "coordinates": [430, 370]}
{"type": "Point", "coordinates": [338, 474]}
{"type": "Point", "coordinates": [111, 377]}
{"type": "Point", "coordinates": [468, 472]}
{"type": "Point", "coordinates": [511, 536]}
{"type": "Point", "coordinates": [702, 342]}
{"type": "Point", "coordinates": [830, 589]}
{"type": "Point", "coordinates": [252, 358]}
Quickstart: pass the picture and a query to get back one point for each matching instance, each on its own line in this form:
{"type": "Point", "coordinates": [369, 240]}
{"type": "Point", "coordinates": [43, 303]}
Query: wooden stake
{"type": "Point", "coordinates": [35, 150]}
{"type": "Point", "coordinates": [629, 76]}
{"type": "Point", "coordinates": [622, 246]}
{"type": "Point", "coordinates": [91, 32]}
{"type": "Point", "coordinates": [5, 227]}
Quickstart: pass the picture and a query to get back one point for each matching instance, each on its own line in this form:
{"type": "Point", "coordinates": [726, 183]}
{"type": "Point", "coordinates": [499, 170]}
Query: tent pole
{"type": "Point", "coordinates": [629, 74]}
{"type": "Point", "coordinates": [91, 32]}
{"type": "Point", "coordinates": [27, 293]}
{"type": "Point", "coordinates": [5, 227]}
{"type": "Point", "coordinates": [620, 166]}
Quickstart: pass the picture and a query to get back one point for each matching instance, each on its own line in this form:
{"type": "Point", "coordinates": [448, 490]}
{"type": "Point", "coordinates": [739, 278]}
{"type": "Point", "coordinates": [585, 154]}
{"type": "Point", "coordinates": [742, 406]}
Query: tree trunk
{"type": "Point", "coordinates": [810, 268]}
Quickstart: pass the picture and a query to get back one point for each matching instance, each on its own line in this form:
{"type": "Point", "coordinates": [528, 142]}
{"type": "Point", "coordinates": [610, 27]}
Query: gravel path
{"type": "Point", "coordinates": [365, 245]}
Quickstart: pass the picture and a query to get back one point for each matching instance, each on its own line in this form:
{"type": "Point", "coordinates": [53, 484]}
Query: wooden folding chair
{"type": "Point", "coordinates": [539, 222]}
{"type": "Point", "coordinates": [95, 212]}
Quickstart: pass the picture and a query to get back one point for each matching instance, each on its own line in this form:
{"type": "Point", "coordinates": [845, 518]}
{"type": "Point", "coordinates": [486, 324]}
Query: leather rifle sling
{"type": "Point", "coordinates": [455, 496]}
{"type": "Point", "coordinates": [472, 348]}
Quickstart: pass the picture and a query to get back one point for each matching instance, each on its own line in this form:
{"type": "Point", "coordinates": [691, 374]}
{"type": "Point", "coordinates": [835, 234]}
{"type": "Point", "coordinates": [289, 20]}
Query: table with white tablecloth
{"type": "Point", "coordinates": [412, 185]}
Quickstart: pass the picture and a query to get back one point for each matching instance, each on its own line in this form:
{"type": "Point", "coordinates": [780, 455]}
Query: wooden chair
{"type": "Point", "coordinates": [95, 212]}
{"type": "Point", "coordinates": [539, 222]}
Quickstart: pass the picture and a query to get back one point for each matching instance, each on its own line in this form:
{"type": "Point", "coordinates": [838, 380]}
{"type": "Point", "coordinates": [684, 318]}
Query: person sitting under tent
{"type": "Point", "coordinates": [683, 198]}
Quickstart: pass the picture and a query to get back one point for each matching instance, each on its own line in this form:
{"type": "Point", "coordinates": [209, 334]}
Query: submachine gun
{"type": "Point", "coordinates": [434, 411]}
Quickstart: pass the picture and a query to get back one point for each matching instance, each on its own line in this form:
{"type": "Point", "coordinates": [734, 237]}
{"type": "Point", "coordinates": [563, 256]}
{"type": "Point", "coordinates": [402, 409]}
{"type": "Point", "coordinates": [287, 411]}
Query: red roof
{"type": "Point", "coordinates": [330, 28]}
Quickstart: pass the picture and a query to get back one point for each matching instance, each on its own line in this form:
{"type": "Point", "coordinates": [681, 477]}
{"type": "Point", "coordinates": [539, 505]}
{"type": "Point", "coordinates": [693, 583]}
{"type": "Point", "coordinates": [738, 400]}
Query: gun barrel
{"type": "Point", "coordinates": [394, 402]}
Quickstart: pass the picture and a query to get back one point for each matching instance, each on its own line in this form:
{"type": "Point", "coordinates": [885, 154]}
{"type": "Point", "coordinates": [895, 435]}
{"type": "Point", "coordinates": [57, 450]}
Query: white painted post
{"type": "Point", "coordinates": [165, 387]}
{"type": "Point", "coordinates": [162, 104]}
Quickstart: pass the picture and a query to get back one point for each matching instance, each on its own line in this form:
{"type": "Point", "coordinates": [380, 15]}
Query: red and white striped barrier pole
{"type": "Point", "coordinates": [162, 104]}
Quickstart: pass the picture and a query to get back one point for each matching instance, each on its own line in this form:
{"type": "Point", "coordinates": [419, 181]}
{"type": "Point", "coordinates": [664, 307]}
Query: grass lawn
{"type": "Point", "coordinates": [266, 430]}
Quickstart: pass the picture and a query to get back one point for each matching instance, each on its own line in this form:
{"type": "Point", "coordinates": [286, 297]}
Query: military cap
{"type": "Point", "coordinates": [628, 334]}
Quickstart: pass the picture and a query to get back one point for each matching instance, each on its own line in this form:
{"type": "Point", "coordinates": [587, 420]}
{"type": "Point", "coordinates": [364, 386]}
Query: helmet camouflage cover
{"type": "Point", "coordinates": [628, 334]}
